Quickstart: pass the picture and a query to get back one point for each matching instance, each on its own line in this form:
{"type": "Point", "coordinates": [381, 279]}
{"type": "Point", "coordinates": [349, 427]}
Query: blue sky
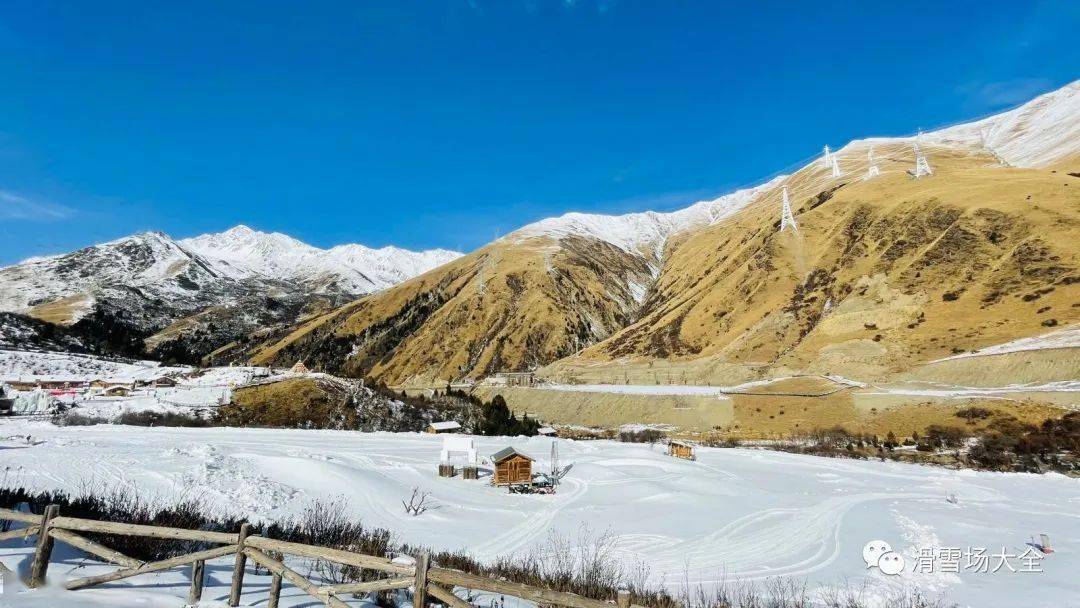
{"type": "Point", "coordinates": [443, 124]}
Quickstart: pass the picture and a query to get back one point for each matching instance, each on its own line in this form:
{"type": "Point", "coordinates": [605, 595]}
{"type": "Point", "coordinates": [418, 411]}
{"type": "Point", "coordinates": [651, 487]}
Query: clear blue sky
{"type": "Point", "coordinates": [443, 123]}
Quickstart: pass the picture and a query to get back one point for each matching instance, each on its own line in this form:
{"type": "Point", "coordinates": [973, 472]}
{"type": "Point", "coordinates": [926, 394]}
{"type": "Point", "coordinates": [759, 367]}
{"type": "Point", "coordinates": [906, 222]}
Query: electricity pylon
{"type": "Point", "coordinates": [872, 171]}
{"type": "Point", "coordinates": [922, 166]}
{"type": "Point", "coordinates": [827, 159]}
{"type": "Point", "coordinates": [786, 217]}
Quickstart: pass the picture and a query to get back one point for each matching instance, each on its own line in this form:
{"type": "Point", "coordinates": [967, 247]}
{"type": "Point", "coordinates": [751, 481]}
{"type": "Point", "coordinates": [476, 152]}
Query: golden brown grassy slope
{"type": "Point", "coordinates": [883, 275]}
{"type": "Point", "coordinates": [508, 306]}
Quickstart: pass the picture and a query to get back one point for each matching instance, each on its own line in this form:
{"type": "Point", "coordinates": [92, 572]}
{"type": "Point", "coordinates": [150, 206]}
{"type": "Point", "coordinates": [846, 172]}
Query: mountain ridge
{"type": "Point", "coordinates": [186, 298]}
{"type": "Point", "coordinates": [571, 276]}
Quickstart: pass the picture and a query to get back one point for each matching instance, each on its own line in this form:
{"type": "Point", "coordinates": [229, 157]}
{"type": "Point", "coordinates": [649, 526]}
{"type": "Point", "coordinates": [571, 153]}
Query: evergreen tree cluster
{"type": "Point", "coordinates": [497, 419]}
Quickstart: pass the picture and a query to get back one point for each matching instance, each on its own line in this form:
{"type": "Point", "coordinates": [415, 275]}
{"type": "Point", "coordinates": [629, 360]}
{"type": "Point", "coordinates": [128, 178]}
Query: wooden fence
{"type": "Point", "coordinates": [425, 579]}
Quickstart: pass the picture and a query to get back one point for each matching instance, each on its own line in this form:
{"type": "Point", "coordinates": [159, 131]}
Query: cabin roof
{"type": "Point", "coordinates": [507, 453]}
{"type": "Point", "coordinates": [546, 430]}
{"type": "Point", "coordinates": [447, 425]}
{"type": "Point", "coordinates": [681, 443]}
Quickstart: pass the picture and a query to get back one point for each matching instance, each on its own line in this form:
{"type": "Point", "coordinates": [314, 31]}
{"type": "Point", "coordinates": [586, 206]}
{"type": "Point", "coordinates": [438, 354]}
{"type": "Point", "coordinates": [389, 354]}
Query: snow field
{"type": "Point", "coordinates": [734, 513]}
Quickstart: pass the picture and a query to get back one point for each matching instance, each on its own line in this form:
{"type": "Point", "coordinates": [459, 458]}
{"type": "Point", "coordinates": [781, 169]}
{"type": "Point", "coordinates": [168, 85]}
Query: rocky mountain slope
{"type": "Point", "coordinates": [884, 274]}
{"type": "Point", "coordinates": [184, 299]}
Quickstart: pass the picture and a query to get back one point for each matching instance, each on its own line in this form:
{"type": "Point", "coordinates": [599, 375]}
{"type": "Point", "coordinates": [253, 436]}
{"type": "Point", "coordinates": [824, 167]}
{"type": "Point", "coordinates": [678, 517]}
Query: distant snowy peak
{"type": "Point", "coordinates": [644, 232]}
{"type": "Point", "coordinates": [243, 253]}
{"type": "Point", "coordinates": [208, 269]}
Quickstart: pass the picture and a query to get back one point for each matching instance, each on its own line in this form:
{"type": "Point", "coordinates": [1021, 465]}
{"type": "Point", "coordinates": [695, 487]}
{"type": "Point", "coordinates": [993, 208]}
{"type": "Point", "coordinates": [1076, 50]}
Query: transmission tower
{"type": "Point", "coordinates": [872, 171]}
{"type": "Point", "coordinates": [922, 166]}
{"type": "Point", "coordinates": [835, 164]}
{"type": "Point", "coordinates": [827, 159]}
{"type": "Point", "coordinates": [786, 217]}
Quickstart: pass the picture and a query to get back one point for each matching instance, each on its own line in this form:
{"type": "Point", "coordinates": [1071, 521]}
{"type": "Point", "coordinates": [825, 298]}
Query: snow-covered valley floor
{"type": "Point", "coordinates": [734, 513]}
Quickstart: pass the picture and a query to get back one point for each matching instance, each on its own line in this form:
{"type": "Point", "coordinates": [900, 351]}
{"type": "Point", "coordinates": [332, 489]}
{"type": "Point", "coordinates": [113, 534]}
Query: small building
{"type": "Point", "coordinates": [118, 390]}
{"type": "Point", "coordinates": [511, 467]}
{"type": "Point", "coordinates": [512, 379]}
{"type": "Point", "coordinates": [163, 381]}
{"type": "Point", "coordinates": [547, 431]}
{"type": "Point", "coordinates": [681, 449]}
{"type": "Point", "coordinates": [299, 368]}
{"type": "Point", "coordinates": [447, 426]}
{"type": "Point", "coordinates": [47, 384]}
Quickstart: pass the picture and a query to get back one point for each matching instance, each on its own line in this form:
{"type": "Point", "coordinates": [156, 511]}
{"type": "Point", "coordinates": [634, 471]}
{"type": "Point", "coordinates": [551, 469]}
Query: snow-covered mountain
{"type": "Point", "coordinates": [244, 253]}
{"type": "Point", "coordinates": [154, 262]}
{"type": "Point", "coordinates": [1040, 132]}
{"type": "Point", "coordinates": [644, 232]}
{"type": "Point", "coordinates": [218, 286]}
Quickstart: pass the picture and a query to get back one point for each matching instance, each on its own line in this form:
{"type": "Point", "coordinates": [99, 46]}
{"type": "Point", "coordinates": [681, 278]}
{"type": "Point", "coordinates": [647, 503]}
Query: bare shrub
{"type": "Point", "coordinates": [419, 502]}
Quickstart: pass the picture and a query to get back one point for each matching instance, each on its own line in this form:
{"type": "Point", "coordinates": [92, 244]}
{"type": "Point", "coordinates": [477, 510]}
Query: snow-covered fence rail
{"type": "Point", "coordinates": [424, 578]}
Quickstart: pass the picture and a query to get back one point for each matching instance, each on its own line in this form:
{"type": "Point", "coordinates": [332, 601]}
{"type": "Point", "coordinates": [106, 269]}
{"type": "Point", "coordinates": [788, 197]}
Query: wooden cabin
{"type": "Point", "coordinates": [163, 381]}
{"type": "Point", "coordinates": [448, 426]}
{"type": "Point", "coordinates": [547, 431]}
{"type": "Point", "coordinates": [118, 390]}
{"type": "Point", "coordinates": [29, 385]}
{"type": "Point", "coordinates": [681, 449]}
{"type": "Point", "coordinates": [511, 467]}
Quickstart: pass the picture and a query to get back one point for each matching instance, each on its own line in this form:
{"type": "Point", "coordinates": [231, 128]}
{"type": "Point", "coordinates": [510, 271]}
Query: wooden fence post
{"type": "Point", "coordinates": [423, 561]}
{"type": "Point", "coordinates": [40, 566]}
{"type": "Point", "coordinates": [238, 567]}
{"type": "Point", "coordinates": [275, 583]}
{"type": "Point", "coordinates": [198, 576]}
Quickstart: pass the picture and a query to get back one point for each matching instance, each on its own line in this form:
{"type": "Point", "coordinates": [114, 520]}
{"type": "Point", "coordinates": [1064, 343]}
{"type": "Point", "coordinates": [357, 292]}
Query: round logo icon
{"type": "Point", "coordinates": [891, 563]}
{"type": "Point", "coordinates": [873, 551]}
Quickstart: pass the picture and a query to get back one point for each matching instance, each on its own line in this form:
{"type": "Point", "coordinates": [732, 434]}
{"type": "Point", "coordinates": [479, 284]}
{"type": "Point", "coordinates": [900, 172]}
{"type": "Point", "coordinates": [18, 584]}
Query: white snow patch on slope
{"type": "Point", "coordinates": [1038, 133]}
{"type": "Point", "coordinates": [62, 367]}
{"type": "Point", "coordinates": [647, 231]}
{"type": "Point", "coordinates": [1062, 338]}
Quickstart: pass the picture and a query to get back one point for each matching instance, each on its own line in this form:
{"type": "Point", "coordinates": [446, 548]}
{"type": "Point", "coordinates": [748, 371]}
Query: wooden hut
{"type": "Point", "coordinates": [547, 431]}
{"type": "Point", "coordinates": [448, 426]}
{"type": "Point", "coordinates": [681, 449]}
{"type": "Point", "coordinates": [511, 467]}
{"type": "Point", "coordinates": [299, 368]}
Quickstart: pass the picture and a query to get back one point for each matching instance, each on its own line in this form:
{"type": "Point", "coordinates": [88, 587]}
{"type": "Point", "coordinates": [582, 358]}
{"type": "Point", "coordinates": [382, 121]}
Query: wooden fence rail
{"type": "Point", "coordinates": [425, 580]}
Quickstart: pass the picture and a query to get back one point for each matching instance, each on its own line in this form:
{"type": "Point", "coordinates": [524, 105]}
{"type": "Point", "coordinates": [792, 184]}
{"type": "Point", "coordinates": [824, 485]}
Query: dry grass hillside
{"type": "Point", "coordinates": [509, 306]}
{"type": "Point", "coordinates": [883, 275]}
